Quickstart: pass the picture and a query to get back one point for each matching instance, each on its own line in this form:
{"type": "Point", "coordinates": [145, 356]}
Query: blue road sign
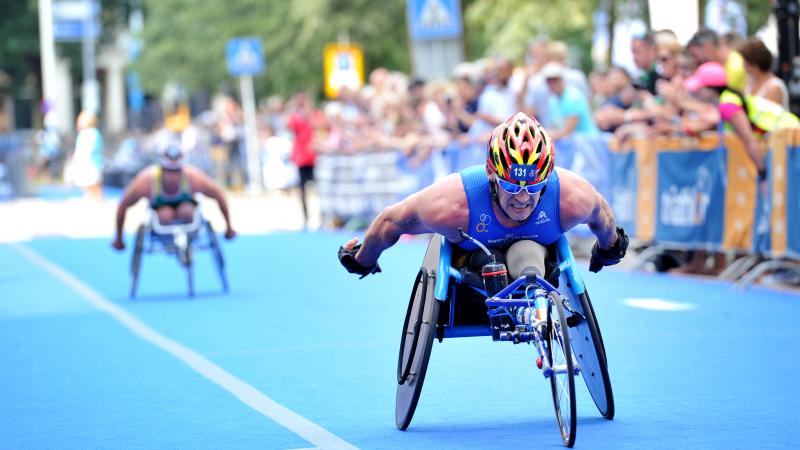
{"type": "Point", "coordinates": [434, 19]}
{"type": "Point", "coordinates": [73, 30]}
{"type": "Point", "coordinates": [73, 18]}
{"type": "Point", "coordinates": [245, 56]}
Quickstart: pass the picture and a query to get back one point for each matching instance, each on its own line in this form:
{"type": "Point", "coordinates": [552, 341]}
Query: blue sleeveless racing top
{"type": "Point", "coordinates": [544, 225]}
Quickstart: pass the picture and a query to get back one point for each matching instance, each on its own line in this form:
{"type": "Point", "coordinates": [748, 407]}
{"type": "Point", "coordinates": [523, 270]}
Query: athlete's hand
{"type": "Point", "coordinates": [118, 244]}
{"type": "Point", "coordinates": [230, 234]}
{"type": "Point", "coordinates": [347, 256]}
{"type": "Point", "coordinates": [602, 257]}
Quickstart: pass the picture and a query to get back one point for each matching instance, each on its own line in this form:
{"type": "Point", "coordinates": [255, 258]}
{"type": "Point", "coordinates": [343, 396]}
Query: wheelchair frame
{"type": "Point", "coordinates": [179, 239]}
{"type": "Point", "coordinates": [425, 307]}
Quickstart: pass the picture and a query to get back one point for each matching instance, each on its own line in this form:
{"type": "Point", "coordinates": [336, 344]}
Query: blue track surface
{"type": "Point", "coordinates": [323, 344]}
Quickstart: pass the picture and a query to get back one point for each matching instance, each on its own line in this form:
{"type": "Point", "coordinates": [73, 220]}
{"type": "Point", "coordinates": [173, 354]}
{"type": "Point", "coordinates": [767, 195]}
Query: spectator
{"type": "Point", "coordinates": [534, 92]}
{"type": "Point", "coordinates": [49, 145]}
{"type": "Point", "coordinates": [760, 81]}
{"type": "Point", "coordinates": [622, 96]}
{"type": "Point", "coordinates": [230, 132]}
{"type": "Point", "coordinates": [750, 117]}
{"type": "Point", "coordinates": [465, 103]}
{"type": "Point", "coordinates": [558, 52]}
{"type": "Point", "coordinates": [86, 166]}
{"type": "Point", "coordinates": [498, 101]}
{"type": "Point", "coordinates": [705, 46]}
{"type": "Point", "coordinates": [643, 48]}
{"type": "Point", "coordinates": [303, 155]}
{"type": "Point", "coordinates": [569, 109]}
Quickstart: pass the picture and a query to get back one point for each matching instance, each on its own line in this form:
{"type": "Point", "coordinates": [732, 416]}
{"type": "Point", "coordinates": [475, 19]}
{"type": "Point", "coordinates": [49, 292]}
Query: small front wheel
{"type": "Point", "coordinates": [562, 378]}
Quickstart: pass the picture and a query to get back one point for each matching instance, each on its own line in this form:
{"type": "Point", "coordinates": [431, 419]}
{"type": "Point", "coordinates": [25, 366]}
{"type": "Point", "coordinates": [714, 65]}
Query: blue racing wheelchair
{"type": "Point", "coordinates": [180, 240]}
{"type": "Point", "coordinates": [560, 323]}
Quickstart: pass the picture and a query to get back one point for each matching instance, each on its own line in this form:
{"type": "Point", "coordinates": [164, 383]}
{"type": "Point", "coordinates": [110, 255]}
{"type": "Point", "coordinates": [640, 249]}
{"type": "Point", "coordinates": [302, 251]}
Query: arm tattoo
{"type": "Point", "coordinates": [403, 224]}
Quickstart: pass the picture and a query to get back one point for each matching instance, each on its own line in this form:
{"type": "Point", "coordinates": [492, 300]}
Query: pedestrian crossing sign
{"type": "Point", "coordinates": [434, 19]}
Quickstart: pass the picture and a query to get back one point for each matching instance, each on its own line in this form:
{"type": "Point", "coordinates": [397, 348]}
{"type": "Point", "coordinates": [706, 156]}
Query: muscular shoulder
{"type": "Point", "coordinates": [144, 178]}
{"type": "Point", "coordinates": [578, 198]}
{"type": "Point", "coordinates": [197, 178]}
{"type": "Point", "coordinates": [442, 206]}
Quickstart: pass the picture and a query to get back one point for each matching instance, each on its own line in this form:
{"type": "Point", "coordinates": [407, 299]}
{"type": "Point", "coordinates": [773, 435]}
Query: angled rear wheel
{"type": "Point", "coordinates": [219, 259]}
{"type": "Point", "coordinates": [136, 261]}
{"type": "Point", "coordinates": [416, 342]}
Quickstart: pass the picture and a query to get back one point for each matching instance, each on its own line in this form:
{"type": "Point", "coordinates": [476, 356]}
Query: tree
{"type": "Point", "coordinates": [505, 27]}
{"type": "Point", "coordinates": [19, 47]}
{"type": "Point", "coordinates": [184, 40]}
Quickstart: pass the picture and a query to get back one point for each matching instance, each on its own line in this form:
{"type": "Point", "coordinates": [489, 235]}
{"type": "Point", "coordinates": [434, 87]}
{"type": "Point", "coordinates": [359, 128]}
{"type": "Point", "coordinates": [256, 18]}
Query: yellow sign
{"type": "Point", "coordinates": [344, 68]}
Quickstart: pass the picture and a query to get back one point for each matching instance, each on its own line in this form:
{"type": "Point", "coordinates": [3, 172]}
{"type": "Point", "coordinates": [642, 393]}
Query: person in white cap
{"type": "Point", "coordinates": [568, 109]}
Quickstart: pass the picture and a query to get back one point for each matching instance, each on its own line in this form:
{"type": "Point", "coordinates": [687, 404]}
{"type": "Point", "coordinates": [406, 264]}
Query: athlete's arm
{"type": "Point", "coordinates": [137, 189]}
{"type": "Point", "coordinates": [201, 182]}
{"type": "Point", "coordinates": [581, 203]}
{"type": "Point", "coordinates": [439, 208]}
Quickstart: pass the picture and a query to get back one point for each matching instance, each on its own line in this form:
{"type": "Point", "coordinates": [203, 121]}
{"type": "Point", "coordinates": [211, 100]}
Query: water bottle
{"type": "Point", "coordinates": [494, 277]}
{"type": "Point", "coordinates": [540, 303]}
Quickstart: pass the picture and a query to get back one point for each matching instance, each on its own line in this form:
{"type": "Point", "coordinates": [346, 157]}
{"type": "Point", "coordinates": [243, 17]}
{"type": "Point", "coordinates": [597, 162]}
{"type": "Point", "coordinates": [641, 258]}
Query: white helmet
{"type": "Point", "coordinates": [171, 156]}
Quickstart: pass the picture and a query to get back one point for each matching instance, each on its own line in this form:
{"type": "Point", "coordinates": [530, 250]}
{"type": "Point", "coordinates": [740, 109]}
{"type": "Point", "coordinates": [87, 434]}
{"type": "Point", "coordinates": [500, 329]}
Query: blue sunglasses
{"type": "Point", "coordinates": [514, 189]}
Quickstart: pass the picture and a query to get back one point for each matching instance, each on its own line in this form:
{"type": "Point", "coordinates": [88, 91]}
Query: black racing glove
{"type": "Point", "coordinates": [348, 260]}
{"type": "Point", "coordinates": [608, 257]}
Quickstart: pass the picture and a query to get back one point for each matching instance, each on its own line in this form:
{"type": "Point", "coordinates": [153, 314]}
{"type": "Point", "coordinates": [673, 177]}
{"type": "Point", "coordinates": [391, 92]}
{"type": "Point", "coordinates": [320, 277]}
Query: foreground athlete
{"type": "Point", "coordinates": [170, 187]}
{"type": "Point", "coordinates": [517, 196]}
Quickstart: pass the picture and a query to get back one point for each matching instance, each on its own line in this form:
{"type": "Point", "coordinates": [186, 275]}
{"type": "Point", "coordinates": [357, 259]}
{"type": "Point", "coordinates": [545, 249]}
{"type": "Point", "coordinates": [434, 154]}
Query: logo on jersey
{"type": "Point", "coordinates": [542, 218]}
{"type": "Point", "coordinates": [481, 226]}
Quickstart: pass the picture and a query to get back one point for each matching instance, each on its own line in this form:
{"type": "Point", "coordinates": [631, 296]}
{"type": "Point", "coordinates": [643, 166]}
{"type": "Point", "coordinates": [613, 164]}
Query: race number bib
{"type": "Point", "coordinates": [524, 172]}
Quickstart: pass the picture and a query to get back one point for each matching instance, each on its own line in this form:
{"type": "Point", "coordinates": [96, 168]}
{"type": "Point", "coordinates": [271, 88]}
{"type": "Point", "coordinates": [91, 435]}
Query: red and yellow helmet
{"type": "Point", "coordinates": [521, 142]}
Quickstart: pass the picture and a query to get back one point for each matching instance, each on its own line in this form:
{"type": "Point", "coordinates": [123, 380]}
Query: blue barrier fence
{"type": "Point", "coordinates": [12, 167]}
{"type": "Point", "coordinates": [675, 191]}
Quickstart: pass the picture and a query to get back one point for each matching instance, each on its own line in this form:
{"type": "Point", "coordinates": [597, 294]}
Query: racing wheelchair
{"type": "Point", "coordinates": [179, 239]}
{"type": "Point", "coordinates": [559, 321]}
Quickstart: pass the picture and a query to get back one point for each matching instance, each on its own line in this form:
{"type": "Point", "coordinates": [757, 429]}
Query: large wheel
{"type": "Point", "coordinates": [416, 342]}
{"type": "Point", "coordinates": [219, 260]}
{"type": "Point", "coordinates": [587, 345]}
{"type": "Point", "coordinates": [136, 261]}
{"type": "Point", "coordinates": [185, 256]}
{"type": "Point", "coordinates": [562, 379]}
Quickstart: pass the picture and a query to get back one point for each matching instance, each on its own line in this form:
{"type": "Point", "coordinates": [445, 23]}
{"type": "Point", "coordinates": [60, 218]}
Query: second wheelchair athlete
{"type": "Point", "coordinates": [170, 187]}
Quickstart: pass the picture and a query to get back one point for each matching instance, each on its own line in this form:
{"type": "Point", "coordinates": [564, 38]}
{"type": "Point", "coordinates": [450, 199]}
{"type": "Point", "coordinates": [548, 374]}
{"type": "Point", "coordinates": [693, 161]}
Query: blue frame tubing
{"type": "Point", "coordinates": [587, 342]}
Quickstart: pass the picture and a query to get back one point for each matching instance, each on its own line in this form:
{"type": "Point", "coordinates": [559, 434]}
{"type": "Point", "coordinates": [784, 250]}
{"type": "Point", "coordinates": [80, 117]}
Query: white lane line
{"type": "Point", "coordinates": [658, 304]}
{"type": "Point", "coordinates": [249, 395]}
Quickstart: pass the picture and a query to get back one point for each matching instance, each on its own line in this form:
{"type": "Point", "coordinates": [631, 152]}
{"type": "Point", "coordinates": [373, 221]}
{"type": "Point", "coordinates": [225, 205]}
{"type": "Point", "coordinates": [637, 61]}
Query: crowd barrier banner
{"type": "Point", "coordinates": [624, 188]}
{"type": "Point", "coordinates": [697, 193]}
{"type": "Point", "coordinates": [359, 186]}
{"type": "Point", "coordinates": [690, 194]}
{"type": "Point", "coordinates": [13, 179]}
{"type": "Point", "coordinates": [633, 187]}
{"type": "Point", "coordinates": [784, 193]}
{"type": "Point", "coordinates": [677, 191]}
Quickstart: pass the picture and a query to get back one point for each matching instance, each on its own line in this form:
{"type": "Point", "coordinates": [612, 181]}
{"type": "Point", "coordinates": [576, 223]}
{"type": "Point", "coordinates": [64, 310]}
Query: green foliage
{"type": "Point", "coordinates": [19, 46]}
{"type": "Point", "coordinates": [758, 12]}
{"type": "Point", "coordinates": [505, 27]}
{"type": "Point", "coordinates": [184, 40]}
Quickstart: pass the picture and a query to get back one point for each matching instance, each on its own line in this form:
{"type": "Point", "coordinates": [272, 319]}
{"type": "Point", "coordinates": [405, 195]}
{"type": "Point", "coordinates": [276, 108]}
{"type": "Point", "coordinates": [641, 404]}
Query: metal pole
{"type": "Point", "coordinates": [47, 50]}
{"type": "Point", "coordinates": [90, 95]}
{"type": "Point", "coordinates": [251, 134]}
